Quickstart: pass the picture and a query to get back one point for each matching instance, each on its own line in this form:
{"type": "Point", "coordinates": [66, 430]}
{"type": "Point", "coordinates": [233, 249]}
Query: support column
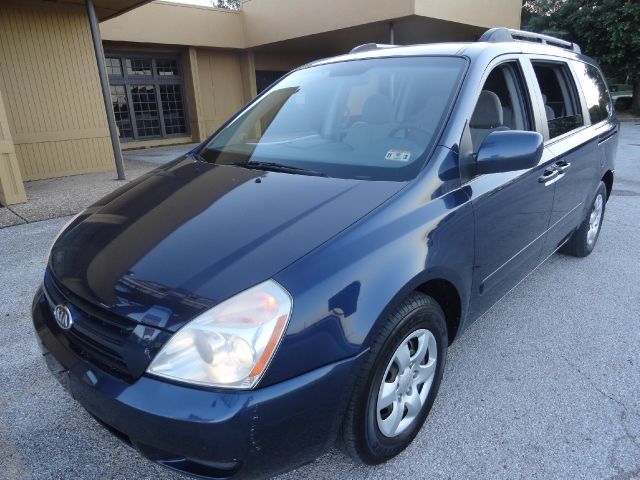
{"type": "Point", "coordinates": [11, 185]}
{"type": "Point", "coordinates": [248, 72]}
{"type": "Point", "coordinates": [104, 84]}
{"type": "Point", "coordinates": [192, 85]}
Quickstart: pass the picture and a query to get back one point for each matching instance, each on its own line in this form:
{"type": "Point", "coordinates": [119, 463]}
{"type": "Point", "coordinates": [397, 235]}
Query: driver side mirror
{"type": "Point", "coordinates": [508, 151]}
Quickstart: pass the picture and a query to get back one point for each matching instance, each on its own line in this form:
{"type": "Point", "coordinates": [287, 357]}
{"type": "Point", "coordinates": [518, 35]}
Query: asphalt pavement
{"type": "Point", "coordinates": [545, 385]}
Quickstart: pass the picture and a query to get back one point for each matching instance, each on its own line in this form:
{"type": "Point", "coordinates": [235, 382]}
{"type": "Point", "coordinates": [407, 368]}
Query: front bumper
{"type": "Point", "coordinates": [207, 433]}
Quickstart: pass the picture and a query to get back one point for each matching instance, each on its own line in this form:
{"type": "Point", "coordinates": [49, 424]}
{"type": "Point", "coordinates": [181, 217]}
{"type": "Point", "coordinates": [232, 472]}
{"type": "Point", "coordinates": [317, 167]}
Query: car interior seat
{"type": "Point", "coordinates": [551, 115]}
{"type": "Point", "coordinates": [507, 118]}
{"type": "Point", "coordinates": [376, 122]}
{"type": "Point", "coordinates": [426, 119]}
{"type": "Point", "coordinates": [486, 118]}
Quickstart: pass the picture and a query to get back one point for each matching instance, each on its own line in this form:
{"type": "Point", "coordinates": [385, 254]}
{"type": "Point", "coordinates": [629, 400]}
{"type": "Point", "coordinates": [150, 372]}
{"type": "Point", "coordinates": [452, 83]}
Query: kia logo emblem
{"type": "Point", "coordinates": [63, 317]}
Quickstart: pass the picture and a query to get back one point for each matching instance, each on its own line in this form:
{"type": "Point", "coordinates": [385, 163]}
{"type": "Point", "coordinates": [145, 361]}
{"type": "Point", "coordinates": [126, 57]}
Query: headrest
{"type": "Point", "coordinates": [488, 112]}
{"type": "Point", "coordinates": [377, 109]}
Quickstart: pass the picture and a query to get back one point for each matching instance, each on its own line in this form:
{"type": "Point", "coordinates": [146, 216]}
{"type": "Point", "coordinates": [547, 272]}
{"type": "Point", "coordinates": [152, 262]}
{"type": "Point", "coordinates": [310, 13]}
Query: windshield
{"type": "Point", "coordinates": [373, 119]}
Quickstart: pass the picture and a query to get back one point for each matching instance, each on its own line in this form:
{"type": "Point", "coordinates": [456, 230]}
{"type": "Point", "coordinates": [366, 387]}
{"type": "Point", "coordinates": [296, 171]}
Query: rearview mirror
{"type": "Point", "coordinates": [509, 150]}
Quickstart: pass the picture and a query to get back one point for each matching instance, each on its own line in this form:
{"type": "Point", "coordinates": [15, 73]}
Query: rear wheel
{"type": "Point", "coordinates": [398, 383]}
{"type": "Point", "coordinates": [583, 240]}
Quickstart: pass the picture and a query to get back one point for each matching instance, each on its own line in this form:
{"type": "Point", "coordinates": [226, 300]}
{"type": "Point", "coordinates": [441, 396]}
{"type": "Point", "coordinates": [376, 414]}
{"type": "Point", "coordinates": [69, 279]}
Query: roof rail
{"type": "Point", "coordinates": [502, 34]}
{"type": "Point", "coordinates": [370, 46]}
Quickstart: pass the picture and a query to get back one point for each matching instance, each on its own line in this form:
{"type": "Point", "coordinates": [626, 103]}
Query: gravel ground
{"type": "Point", "coordinates": [545, 385]}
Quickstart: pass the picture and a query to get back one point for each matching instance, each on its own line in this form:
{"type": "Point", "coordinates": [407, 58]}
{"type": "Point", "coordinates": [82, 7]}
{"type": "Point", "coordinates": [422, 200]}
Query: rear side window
{"type": "Point", "coordinates": [560, 97]}
{"type": "Point", "coordinates": [595, 91]}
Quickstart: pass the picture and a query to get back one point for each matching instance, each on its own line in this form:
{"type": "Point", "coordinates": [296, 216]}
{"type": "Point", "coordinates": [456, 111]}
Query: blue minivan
{"type": "Point", "coordinates": [294, 282]}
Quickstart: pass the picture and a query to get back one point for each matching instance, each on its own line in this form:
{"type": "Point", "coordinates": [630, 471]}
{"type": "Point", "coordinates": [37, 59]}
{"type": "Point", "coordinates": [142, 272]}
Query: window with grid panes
{"type": "Point", "coordinates": [121, 111]}
{"type": "Point", "coordinates": [147, 94]}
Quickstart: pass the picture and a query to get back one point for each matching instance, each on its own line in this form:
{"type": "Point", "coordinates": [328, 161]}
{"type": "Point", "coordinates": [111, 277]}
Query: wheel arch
{"type": "Point", "coordinates": [445, 287]}
{"type": "Point", "coordinates": [607, 178]}
{"type": "Point", "coordinates": [446, 294]}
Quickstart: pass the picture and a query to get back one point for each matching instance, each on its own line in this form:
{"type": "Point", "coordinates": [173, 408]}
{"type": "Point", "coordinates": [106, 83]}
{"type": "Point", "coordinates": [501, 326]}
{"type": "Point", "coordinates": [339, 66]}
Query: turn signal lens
{"type": "Point", "coordinates": [230, 345]}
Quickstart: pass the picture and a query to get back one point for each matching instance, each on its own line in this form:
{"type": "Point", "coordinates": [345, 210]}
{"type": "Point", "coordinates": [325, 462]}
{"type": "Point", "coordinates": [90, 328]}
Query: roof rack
{"type": "Point", "coordinates": [370, 46]}
{"type": "Point", "coordinates": [502, 34]}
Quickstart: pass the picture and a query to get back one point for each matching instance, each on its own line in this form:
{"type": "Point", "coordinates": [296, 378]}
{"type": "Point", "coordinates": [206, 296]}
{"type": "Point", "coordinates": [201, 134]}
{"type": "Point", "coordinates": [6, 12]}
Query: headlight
{"type": "Point", "coordinates": [230, 345]}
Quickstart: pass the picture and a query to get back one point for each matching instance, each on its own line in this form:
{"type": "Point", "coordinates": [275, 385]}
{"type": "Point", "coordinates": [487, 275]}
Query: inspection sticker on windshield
{"type": "Point", "coordinates": [398, 155]}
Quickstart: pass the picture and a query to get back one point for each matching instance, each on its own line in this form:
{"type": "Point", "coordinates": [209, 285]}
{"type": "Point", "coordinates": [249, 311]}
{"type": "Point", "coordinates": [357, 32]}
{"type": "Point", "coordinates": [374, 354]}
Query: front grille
{"type": "Point", "coordinates": [115, 344]}
{"type": "Point", "coordinates": [96, 352]}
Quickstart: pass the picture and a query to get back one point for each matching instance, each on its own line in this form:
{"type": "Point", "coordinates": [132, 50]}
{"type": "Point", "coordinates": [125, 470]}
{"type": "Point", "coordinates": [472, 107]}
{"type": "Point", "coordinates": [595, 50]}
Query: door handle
{"type": "Point", "coordinates": [548, 175]}
{"type": "Point", "coordinates": [562, 165]}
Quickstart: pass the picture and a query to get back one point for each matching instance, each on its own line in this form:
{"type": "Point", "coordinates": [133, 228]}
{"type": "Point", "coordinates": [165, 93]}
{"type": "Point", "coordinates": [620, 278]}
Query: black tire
{"type": "Point", "coordinates": [362, 439]}
{"type": "Point", "coordinates": [578, 244]}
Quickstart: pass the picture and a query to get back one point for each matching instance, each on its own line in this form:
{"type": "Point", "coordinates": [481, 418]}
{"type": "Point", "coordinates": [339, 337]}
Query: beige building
{"type": "Point", "coordinates": [176, 72]}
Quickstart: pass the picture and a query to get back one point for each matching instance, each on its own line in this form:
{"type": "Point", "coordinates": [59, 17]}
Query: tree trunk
{"type": "Point", "coordinates": [635, 100]}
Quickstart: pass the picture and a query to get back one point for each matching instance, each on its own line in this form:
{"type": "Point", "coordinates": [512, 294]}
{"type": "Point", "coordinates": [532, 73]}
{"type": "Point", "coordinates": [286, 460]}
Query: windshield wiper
{"type": "Point", "coordinates": [195, 156]}
{"type": "Point", "coordinates": [278, 167]}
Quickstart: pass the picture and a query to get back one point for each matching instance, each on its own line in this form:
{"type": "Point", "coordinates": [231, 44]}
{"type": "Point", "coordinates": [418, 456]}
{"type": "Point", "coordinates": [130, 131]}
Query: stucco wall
{"type": "Point", "coordinates": [268, 21]}
{"type": "Point", "coordinates": [51, 90]}
{"type": "Point", "coordinates": [281, 62]}
{"type": "Point", "coordinates": [482, 13]}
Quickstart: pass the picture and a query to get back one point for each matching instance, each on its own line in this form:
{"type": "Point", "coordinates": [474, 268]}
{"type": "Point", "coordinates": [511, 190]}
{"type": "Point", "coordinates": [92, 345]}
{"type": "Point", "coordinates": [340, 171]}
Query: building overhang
{"type": "Point", "coordinates": [105, 9]}
{"type": "Point", "coordinates": [304, 25]}
{"type": "Point", "coordinates": [178, 24]}
{"type": "Point", "coordinates": [272, 21]}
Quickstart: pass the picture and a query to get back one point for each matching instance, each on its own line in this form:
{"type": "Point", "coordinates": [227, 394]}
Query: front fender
{"type": "Point", "coordinates": [460, 281]}
{"type": "Point", "coordinates": [343, 290]}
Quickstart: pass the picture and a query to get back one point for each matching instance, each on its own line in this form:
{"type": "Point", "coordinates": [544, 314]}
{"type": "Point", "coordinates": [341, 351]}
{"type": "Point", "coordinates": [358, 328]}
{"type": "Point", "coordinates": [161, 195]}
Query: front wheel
{"type": "Point", "coordinates": [584, 239]}
{"type": "Point", "coordinates": [398, 382]}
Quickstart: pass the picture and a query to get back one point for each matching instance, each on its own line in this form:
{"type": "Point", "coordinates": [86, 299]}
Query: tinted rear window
{"type": "Point", "coordinates": [595, 91]}
{"type": "Point", "coordinates": [560, 98]}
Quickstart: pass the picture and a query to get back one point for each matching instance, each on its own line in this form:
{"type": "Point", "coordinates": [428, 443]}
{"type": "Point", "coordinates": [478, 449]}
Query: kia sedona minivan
{"type": "Point", "coordinates": [294, 282]}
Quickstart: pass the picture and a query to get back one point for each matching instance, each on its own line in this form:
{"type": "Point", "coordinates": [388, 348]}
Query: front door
{"type": "Point", "coordinates": [511, 209]}
{"type": "Point", "coordinates": [512, 212]}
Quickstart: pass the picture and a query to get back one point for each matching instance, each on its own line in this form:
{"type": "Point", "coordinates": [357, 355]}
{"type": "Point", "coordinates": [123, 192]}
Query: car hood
{"type": "Point", "coordinates": [185, 237]}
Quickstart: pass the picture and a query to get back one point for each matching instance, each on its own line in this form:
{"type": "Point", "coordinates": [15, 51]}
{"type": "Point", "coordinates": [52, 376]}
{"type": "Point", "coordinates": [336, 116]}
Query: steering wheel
{"type": "Point", "coordinates": [407, 129]}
